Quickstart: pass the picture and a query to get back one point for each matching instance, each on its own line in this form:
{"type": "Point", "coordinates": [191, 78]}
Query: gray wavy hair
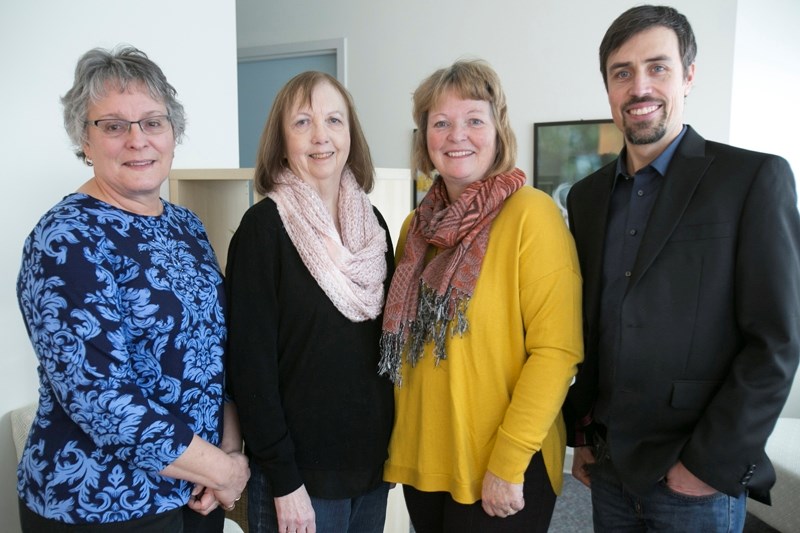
{"type": "Point", "coordinates": [119, 67]}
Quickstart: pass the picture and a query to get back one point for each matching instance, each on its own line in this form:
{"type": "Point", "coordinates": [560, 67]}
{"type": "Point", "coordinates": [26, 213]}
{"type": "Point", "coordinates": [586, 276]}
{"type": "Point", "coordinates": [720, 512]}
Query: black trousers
{"type": "Point", "coordinates": [437, 512]}
{"type": "Point", "coordinates": [182, 520]}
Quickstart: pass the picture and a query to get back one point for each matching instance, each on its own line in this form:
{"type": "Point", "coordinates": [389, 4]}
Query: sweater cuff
{"type": "Point", "coordinates": [283, 478]}
{"type": "Point", "coordinates": [510, 458]}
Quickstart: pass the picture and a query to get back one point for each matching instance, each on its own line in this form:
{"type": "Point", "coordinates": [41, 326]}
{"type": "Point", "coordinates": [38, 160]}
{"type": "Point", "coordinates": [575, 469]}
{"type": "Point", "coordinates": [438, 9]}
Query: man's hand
{"type": "Point", "coordinates": [581, 460]}
{"type": "Point", "coordinates": [680, 480]}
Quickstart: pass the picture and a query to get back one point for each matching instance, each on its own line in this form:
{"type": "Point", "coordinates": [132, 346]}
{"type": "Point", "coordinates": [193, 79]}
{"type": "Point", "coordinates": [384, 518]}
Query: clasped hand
{"type": "Point", "coordinates": [501, 498]}
{"type": "Point", "coordinates": [205, 499]}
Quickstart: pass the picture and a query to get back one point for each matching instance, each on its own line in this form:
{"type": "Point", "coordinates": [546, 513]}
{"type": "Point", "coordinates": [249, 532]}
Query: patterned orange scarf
{"type": "Point", "coordinates": [424, 299]}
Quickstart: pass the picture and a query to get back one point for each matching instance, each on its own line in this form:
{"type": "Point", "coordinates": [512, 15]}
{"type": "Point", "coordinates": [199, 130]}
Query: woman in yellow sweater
{"type": "Point", "coordinates": [482, 326]}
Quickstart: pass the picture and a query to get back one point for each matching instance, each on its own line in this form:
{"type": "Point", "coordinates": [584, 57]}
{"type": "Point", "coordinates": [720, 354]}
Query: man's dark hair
{"type": "Point", "coordinates": [640, 18]}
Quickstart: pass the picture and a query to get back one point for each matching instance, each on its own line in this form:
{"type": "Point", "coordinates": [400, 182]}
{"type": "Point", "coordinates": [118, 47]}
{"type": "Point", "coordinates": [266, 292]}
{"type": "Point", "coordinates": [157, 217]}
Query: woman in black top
{"type": "Point", "coordinates": [306, 276]}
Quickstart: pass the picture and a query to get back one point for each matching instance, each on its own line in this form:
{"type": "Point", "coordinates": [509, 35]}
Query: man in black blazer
{"type": "Point", "coordinates": [690, 253]}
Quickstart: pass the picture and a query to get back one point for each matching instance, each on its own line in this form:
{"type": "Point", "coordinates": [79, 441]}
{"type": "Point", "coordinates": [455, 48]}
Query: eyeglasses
{"type": "Point", "coordinates": [115, 127]}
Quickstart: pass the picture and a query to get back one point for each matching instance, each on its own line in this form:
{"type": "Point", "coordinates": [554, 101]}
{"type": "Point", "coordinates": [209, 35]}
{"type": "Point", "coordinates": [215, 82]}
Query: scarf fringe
{"type": "Point", "coordinates": [429, 299]}
{"type": "Point", "coordinates": [435, 315]}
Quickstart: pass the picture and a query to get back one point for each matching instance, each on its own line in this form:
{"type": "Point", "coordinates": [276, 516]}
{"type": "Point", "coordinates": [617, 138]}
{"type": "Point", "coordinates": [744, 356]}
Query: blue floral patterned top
{"type": "Point", "coordinates": [126, 316]}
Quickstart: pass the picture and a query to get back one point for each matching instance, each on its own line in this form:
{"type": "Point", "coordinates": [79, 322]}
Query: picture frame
{"type": "Point", "coordinates": [567, 151]}
{"type": "Point", "coordinates": [421, 184]}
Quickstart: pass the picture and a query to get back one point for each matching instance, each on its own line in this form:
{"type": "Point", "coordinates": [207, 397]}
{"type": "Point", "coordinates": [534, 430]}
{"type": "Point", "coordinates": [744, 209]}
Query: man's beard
{"type": "Point", "coordinates": [647, 132]}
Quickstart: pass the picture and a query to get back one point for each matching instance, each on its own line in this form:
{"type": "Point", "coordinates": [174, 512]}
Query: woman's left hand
{"type": "Point", "coordinates": [501, 498]}
{"type": "Point", "coordinates": [202, 500]}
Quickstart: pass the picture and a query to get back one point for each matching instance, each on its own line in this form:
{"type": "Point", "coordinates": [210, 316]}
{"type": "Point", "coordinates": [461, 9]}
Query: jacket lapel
{"type": "Point", "coordinates": [686, 169]}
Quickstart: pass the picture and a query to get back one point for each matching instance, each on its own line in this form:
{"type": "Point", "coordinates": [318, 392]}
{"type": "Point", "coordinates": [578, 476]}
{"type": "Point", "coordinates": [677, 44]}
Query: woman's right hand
{"type": "Point", "coordinates": [295, 512]}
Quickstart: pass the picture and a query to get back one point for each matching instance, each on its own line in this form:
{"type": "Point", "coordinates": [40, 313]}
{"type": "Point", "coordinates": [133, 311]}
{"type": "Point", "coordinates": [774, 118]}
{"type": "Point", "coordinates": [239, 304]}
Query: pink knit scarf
{"type": "Point", "coordinates": [350, 268]}
{"type": "Point", "coordinates": [427, 300]}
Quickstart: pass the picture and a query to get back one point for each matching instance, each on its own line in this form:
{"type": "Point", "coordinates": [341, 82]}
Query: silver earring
{"type": "Point", "coordinates": [89, 162]}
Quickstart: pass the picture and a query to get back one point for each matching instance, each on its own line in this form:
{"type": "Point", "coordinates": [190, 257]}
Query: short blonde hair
{"type": "Point", "coordinates": [471, 79]}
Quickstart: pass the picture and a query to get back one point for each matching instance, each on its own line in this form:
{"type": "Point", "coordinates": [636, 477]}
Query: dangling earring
{"type": "Point", "coordinates": [89, 162]}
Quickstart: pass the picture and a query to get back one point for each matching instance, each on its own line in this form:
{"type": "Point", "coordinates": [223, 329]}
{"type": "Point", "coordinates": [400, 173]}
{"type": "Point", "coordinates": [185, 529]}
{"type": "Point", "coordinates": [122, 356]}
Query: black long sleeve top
{"type": "Point", "coordinates": [312, 407]}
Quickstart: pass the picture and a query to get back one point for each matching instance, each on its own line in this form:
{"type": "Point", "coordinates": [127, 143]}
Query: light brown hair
{"type": "Point", "coordinates": [271, 159]}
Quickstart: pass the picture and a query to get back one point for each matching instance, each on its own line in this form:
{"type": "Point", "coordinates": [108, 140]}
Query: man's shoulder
{"type": "Point", "coordinates": [729, 162]}
{"type": "Point", "coordinates": [720, 149]}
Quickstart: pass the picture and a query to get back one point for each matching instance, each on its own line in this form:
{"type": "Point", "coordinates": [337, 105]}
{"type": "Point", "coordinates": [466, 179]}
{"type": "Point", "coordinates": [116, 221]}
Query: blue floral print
{"type": "Point", "coordinates": [126, 316]}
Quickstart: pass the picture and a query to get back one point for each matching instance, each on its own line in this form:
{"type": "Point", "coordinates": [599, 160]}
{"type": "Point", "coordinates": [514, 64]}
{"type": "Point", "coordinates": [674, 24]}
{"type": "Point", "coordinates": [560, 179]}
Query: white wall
{"type": "Point", "coordinates": [765, 84]}
{"type": "Point", "coordinates": [545, 51]}
{"type": "Point", "coordinates": [765, 78]}
{"type": "Point", "coordinates": [40, 42]}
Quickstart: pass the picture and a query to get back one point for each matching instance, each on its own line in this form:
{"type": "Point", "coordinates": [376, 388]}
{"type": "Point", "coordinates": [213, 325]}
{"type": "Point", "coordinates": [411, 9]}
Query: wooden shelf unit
{"type": "Point", "coordinates": [219, 196]}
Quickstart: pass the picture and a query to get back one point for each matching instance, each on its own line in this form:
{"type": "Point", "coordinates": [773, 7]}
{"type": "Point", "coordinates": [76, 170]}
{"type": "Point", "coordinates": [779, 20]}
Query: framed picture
{"type": "Point", "coordinates": [422, 183]}
{"type": "Point", "coordinates": [565, 152]}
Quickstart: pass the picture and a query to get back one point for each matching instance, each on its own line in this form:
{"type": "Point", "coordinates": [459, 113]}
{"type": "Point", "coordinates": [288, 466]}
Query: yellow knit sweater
{"type": "Point", "coordinates": [496, 399]}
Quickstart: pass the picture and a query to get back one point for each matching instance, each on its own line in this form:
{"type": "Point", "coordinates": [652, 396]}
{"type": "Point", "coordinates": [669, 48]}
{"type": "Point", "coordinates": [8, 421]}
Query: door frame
{"type": "Point", "coordinates": [338, 47]}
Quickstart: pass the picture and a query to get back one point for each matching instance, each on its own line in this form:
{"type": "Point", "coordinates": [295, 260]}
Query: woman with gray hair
{"type": "Point", "coordinates": [123, 300]}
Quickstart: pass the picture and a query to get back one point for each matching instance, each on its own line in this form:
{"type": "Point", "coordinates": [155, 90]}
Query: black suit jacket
{"type": "Point", "coordinates": [710, 321]}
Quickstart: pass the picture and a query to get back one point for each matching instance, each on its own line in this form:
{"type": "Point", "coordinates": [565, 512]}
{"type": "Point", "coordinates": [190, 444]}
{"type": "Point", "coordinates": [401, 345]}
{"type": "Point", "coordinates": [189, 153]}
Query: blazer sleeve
{"type": "Point", "coordinates": [577, 408]}
{"type": "Point", "coordinates": [726, 447]}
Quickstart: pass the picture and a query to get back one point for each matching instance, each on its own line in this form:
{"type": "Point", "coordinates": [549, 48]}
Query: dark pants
{"type": "Point", "coordinates": [182, 520]}
{"type": "Point", "coordinates": [437, 512]}
{"type": "Point", "coordinates": [617, 510]}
